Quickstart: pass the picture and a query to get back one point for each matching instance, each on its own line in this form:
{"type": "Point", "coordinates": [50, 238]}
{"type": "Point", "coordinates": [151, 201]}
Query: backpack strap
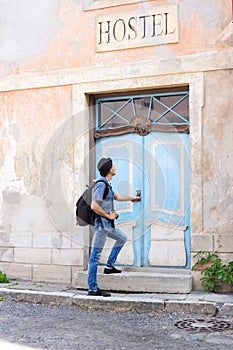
{"type": "Point", "coordinates": [106, 188]}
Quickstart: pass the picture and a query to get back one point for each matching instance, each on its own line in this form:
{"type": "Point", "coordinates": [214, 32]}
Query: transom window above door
{"type": "Point", "coordinates": [161, 109]}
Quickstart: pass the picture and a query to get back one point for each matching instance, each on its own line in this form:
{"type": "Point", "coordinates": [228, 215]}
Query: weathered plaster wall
{"type": "Point", "coordinates": [27, 28]}
{"type": "Point", "coordinates": [218, 162]}
{"type": "Point", "coordinates": [36, 177]}
{"type": "Point", "coordinates": [217, 169]}
{"type": "Point", "coordinates": [52, 34]}
{"type": "Point", "coordinates": [218, 158]}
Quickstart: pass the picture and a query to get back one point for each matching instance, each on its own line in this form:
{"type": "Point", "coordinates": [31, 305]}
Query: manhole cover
{"type": "Point", "coordinates": [201, 325]}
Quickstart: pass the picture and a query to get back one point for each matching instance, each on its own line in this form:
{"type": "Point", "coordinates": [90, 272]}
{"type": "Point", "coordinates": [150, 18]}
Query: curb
{"type": "Point", "coordinates": [117, 303]}
{"type": "Point", "coordinates": [196, 307]}
{"type": "Point", "coordinates": [226, 309]}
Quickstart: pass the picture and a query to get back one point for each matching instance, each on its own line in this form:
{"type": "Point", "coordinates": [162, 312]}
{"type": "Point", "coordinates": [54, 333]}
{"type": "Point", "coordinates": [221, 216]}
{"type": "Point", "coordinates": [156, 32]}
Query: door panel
{"type": "Point", "coordinates": [127, 154]}
{"type": "Point", "coordinates": [166, 216]}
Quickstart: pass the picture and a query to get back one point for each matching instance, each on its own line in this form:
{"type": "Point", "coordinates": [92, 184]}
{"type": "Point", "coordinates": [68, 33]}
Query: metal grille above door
{"type": "Point", "coordinates": [157, 112]}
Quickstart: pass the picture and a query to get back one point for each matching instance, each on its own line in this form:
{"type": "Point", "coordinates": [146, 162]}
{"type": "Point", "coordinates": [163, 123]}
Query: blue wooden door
{"type": "Point", "coordinates": [157, 227]}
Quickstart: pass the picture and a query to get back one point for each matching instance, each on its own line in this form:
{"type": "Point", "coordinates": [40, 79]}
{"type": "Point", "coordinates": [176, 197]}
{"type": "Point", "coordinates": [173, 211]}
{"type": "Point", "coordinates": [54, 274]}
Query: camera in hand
{"type": "Point", "coordinates": [117, 216]}
{"type": "Point", "coordinates": [139, 194]}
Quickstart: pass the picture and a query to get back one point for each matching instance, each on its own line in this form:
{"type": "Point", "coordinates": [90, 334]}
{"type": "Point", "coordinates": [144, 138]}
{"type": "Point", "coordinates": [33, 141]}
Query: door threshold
{"type": "Point", "coordinates": [156, 269]}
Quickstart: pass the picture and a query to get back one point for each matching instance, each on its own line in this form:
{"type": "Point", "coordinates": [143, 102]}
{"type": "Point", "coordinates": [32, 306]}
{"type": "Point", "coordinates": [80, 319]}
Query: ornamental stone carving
{"type": "Point", "coordinates": [141, 125]}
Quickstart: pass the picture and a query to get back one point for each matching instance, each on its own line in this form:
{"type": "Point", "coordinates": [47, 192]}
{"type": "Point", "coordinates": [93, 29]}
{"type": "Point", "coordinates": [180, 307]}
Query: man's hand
{"type": "Point", "coordinates": [112, 216]}
{"type": "Point", "coordinates": [135, 199]}
{"type": "Point", "coordinates": [120, 197]}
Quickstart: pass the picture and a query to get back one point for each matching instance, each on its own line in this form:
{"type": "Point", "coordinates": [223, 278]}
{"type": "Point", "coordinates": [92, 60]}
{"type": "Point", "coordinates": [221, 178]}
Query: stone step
{"type": "Point", "coordinates": [159, 281]}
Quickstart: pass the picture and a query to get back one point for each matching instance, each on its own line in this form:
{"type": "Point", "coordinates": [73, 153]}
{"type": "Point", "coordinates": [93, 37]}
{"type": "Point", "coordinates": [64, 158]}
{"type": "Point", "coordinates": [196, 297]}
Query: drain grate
{"type": "Point", "coordinates": [201, 325]}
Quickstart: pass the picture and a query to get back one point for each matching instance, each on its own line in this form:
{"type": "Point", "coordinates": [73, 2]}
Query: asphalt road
{"type": "Point", "coordinates": [26, 325]}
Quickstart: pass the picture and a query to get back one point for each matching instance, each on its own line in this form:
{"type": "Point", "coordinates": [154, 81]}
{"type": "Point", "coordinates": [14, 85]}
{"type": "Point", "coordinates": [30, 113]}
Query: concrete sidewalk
{"type": "Point", "coordinates": [195, 302]}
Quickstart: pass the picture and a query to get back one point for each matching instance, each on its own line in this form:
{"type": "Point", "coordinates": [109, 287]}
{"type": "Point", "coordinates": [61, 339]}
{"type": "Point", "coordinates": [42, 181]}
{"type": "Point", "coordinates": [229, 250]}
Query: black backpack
{"type": "Point", "coordinates": [84, 214]}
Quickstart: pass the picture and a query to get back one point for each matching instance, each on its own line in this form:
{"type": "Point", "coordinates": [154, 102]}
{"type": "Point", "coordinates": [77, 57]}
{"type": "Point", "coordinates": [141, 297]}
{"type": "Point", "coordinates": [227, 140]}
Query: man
{"type": "Point", "coordinates": [104, 225]}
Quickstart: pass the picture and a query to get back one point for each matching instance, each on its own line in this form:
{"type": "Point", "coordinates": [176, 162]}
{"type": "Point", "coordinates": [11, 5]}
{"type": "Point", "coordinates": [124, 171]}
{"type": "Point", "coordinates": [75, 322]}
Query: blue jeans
{"type": "Point", "coordinates": [99, 239]}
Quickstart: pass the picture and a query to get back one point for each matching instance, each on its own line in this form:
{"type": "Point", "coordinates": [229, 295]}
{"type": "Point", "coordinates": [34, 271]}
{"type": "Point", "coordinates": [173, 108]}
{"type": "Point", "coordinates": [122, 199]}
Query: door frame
{"type": "Point", "coordinates": [82, 109]}
{"type": "Point", "coordinates": [128, 110]}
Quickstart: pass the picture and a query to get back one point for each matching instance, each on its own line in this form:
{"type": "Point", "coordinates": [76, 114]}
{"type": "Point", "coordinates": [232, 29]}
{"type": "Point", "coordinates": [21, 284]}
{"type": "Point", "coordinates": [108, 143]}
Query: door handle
{"type": "Point", "coordinates": [139, 194]}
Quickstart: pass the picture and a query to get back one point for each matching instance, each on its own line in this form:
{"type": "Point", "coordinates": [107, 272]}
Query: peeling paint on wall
{"type": "Point", "coordinates": [60, 40]}
{"type": "Point", "coordinates": [207, 11]}
{"type": "Point", "coordinates": [27, 27]}
{"type": "Point", "coordinates": [217, 154]}
{"type": "Point", "coordinates": [30, 119]}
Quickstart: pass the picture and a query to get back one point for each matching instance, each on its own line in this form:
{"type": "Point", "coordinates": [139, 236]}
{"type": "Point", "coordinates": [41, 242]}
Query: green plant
{"type": "Point", "coordinates": [3, 278]}
{"type": "Point", "coordinates": [213, 270]}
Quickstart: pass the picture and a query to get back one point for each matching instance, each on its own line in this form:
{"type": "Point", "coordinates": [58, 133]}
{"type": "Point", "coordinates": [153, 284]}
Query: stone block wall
{"type": "Point", "coordinates": [41, 256]}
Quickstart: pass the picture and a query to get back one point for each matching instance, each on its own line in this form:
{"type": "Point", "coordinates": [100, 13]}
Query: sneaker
{"type": "Point", "coordinates": [109, 270]}
{"type": "Point", "coordinates": [98, 292]}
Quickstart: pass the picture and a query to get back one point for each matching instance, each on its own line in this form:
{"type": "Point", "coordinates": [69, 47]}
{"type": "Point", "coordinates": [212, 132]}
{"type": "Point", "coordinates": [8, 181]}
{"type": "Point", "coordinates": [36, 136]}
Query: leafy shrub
{"type": "Point", "coordinates": [3, 278]}
{"type": "Point", "coordinates": [213, 270]}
